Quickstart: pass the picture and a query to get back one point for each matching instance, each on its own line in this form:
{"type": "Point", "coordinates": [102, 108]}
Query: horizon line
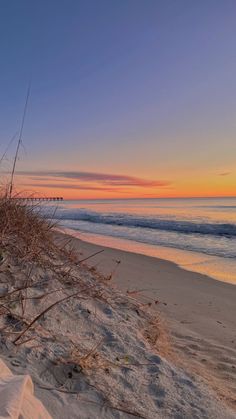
{"type": "Point", "coordinates": [158, 197]}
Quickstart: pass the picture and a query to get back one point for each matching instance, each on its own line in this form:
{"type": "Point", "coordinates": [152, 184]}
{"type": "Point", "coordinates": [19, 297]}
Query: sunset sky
{"type": "Point", "coordinates": [129, 98]}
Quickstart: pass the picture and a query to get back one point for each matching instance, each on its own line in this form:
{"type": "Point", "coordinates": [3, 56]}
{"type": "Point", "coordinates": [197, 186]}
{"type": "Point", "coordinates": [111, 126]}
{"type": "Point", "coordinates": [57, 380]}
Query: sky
{"type": "Point", "coordinates": [129, 98]}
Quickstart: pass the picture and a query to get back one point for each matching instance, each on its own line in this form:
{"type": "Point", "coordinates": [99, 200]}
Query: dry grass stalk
{"type": "Point", "coordinates": [42, 313]}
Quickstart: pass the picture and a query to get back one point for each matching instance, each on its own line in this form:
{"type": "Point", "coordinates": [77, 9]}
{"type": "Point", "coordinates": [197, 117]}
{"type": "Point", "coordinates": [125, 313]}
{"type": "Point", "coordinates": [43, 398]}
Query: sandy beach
{"type": "Point", "coordinates": [198, 312]}
{"type": "Point", "coordinates": [101, 333]}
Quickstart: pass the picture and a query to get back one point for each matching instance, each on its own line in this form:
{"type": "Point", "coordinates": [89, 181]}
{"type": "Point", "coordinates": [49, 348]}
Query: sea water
{"type": "Point", "coordinates": [196, 233]}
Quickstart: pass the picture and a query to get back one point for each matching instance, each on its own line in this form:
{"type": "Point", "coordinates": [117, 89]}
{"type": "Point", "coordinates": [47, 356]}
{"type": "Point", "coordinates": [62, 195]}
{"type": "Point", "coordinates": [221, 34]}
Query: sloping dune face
{"type": "Point", "coordinates": [91, 350]}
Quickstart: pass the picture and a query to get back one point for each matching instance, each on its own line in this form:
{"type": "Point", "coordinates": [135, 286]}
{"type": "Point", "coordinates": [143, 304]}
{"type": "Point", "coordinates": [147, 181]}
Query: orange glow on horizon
{"type": "Point", "coordinates": [96, 185]}
{"type": "Point", "coordinates": [185, 189]}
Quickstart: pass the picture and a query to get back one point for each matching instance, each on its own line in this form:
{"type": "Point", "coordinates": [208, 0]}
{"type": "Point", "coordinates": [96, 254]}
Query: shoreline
{"type": "Point", "coordinates": [192, 306]}
{"type": "Point", "coordinates": [215, 267]}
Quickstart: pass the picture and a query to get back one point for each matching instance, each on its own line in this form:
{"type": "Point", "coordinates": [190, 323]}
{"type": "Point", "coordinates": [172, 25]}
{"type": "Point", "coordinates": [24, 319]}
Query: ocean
{"type": "Point", "coordinates": [198, 234]}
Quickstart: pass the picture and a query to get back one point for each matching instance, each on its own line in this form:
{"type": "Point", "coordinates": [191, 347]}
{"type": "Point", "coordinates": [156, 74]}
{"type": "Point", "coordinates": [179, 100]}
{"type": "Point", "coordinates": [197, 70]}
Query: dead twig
{"type": "Point", "coordinates": [91, 256]}
{"type": "Point", "coordinates": [45, 311]}
{"type": "Point", "coordinates": [106, 404]}
{"type": "Point", "coordinates": [42, 313]}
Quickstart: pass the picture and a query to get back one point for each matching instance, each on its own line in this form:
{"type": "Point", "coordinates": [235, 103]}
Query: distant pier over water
{"type": "Point", "coordinates": [35, 198]}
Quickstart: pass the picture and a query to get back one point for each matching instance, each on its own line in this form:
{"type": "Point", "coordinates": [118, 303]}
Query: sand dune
{"type": "Point", "coordinates": [100, 353]}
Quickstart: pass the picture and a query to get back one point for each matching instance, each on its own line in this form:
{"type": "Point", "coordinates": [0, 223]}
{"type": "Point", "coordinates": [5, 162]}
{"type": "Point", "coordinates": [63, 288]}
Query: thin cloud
{"type": "Point", "coordinates": [114, 180]}
{"type": "Point", "coordinates": [224, 174]}
{"type": "Point", "coordinates": [70, 186]}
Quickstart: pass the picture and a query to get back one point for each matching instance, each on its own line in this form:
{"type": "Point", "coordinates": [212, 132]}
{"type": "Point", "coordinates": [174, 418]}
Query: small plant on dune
{"type": "Point", "coordinates": [25, 232]}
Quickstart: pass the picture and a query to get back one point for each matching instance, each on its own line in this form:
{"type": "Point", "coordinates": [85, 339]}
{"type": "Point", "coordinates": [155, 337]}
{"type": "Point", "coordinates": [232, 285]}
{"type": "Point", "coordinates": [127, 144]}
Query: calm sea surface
{"type": "Point", "coordinates": [197, 234]}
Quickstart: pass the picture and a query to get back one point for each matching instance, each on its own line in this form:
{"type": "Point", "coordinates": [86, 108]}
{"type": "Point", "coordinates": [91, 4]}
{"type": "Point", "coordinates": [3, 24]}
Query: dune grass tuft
{"type": "Point", "coordinates": [41, 277]}
{"type": "Point", "coordinates": [22, 229]}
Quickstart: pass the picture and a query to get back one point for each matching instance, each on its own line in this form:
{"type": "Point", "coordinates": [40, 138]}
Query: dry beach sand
{"type": "Point", "coordinates": [101, 353]}
{"type": "Point", "coordinates": [198, 312]}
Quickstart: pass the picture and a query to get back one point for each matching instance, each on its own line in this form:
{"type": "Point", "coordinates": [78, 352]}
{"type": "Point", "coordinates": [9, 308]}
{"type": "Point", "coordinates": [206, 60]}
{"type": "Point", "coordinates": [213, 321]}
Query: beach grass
{"type": "Point", "coordinates": [39, 275]}
{"type": "Point", "coordinates": [23, 228]}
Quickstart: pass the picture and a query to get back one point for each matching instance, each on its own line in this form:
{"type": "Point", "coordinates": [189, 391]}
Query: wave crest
{"type": "Point", "coordinates": [125, 220]}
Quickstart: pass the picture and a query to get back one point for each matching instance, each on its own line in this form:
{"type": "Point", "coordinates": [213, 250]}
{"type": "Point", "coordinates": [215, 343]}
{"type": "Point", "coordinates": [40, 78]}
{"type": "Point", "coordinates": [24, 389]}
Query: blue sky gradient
{"type": "Point", "coordinates": [140, 88]}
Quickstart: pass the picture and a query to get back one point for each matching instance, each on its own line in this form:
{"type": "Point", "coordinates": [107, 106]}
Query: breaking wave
{"type": "Point", "coordinates": [154, 223]}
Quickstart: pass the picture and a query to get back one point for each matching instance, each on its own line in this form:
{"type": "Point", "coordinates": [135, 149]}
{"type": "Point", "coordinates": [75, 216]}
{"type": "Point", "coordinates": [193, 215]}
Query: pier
{"type": "Point", "coordinates": [35, 198]}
